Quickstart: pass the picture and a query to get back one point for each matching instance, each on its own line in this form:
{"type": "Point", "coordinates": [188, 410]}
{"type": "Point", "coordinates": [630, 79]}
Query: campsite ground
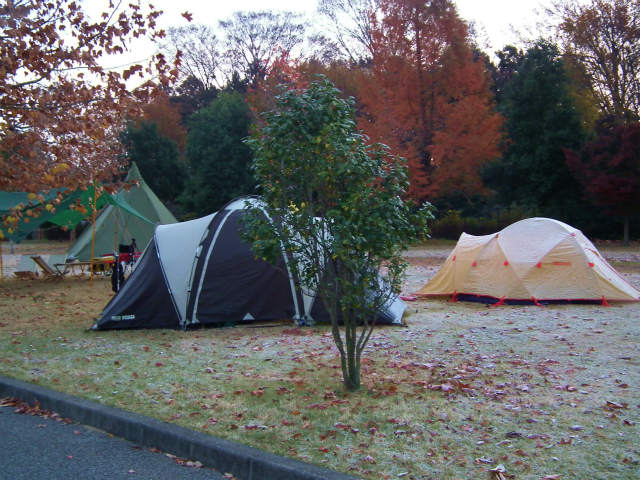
{"type": "Point", "coordinates": [544, 391]}
{"type": "Point", "coordinates": [36, 247]}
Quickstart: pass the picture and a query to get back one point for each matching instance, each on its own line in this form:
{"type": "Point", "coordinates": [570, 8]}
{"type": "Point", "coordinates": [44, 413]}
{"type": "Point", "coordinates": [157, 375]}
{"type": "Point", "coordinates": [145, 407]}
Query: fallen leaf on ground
{"type": "Point", "coordinates": [497, 473]}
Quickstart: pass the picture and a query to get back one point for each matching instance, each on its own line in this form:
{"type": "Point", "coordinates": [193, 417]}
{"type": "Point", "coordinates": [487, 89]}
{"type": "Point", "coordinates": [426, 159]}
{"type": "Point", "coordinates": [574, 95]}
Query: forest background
{"type": "Point", "coordinates": [548, 129]}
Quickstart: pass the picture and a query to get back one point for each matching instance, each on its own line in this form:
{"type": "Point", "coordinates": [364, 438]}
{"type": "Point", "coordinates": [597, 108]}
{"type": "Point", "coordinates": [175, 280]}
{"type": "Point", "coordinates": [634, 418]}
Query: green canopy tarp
{"type": "Point", "coordinates": [63, 216]}
{"type": "Point", "coordinates": [134, 213]}
{"type": "Point", "coordinates": [130, 214]}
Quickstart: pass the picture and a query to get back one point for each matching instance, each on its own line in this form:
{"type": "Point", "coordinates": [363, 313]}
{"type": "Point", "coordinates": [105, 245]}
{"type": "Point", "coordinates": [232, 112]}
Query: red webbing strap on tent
{"type": "Point", "coordinates": [535, 302]}
{"type": "Point", "coordinates": [454, 296]}
{"type": "Point", "coordinates": [604, 302]}
{"type": "Point", "coordinates": [499, 302]}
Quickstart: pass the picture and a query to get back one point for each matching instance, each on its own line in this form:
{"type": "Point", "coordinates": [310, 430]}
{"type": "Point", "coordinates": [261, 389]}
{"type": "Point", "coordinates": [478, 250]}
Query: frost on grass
{"type": "Point", "coordinates": [465, 388]}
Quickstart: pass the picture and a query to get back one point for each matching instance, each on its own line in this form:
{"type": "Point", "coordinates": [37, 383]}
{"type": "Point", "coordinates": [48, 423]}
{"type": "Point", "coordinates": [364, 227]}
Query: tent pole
{"type": "Point", "coordinates": [115, 232]}
{"type": "Point", "coordinates": [93, 233]}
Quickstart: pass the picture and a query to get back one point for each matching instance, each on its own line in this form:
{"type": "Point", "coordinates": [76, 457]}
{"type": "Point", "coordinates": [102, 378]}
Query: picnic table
{"type": "Point", "coordinates": [100, 265]}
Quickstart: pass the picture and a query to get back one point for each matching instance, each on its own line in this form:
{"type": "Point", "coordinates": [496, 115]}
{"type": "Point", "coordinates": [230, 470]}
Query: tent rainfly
{"type": "Point", "coordinates": [534, 260]}
{"type": "Point", "coordinates": [202, 272]}
{"type": "Point", "coordinates": [132, 213]}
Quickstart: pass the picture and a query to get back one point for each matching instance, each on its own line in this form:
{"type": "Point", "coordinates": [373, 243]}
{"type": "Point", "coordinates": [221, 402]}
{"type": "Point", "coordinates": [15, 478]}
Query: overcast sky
{"type": "Point", "coordinates": [497, 17]}
{"type": "Point", "coordinates": [498, 22]}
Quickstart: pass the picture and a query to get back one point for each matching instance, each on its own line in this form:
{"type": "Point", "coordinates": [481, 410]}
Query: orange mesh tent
{"type": "Point", "coordinates": [533, 260]}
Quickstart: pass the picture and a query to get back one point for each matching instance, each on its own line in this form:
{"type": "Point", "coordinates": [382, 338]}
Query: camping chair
{"type": "Point", "coordinates": [49, 273]}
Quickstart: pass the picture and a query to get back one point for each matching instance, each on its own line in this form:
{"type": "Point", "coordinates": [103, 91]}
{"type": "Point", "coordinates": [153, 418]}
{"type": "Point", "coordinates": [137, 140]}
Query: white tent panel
{"type": "Point", "coordinates": [177, 244]}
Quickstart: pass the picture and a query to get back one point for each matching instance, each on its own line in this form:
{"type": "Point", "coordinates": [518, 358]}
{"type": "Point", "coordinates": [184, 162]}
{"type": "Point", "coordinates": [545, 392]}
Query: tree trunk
{"type": "Point", "coordinates": [351, 361]}
{"type": "Point", "coordinates": [352, 378]}
{"type": "Point", "coordinates": [351, 368]}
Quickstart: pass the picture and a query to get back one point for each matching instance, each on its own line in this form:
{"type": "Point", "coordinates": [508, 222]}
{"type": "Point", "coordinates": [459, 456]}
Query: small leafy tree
{"type": "Point", "coordinates": [338, 208]}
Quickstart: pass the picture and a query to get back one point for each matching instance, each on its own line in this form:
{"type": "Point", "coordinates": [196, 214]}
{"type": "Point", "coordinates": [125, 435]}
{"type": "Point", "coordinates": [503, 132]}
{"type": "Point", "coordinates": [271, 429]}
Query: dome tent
{"type": "Point", "coordinates": [202, 272]}
{"type": "Point", "coordinates": [533, 260]}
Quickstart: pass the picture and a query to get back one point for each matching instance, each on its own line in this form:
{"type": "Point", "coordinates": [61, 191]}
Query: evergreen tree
{"type": "Point", "coordinates": [541, 120]}
{"type": "Point", "coordinates": [157, 158]}
{"type": "Point", "coordinates": [219, 159]}
{"type": "Point", "coordinates": [191, 96]}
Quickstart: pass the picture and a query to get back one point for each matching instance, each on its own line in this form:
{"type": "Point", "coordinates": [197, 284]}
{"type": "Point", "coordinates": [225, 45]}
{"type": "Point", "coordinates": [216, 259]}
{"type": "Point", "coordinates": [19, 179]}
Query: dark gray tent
{"type": "Point", "coordinates": [202, 272]}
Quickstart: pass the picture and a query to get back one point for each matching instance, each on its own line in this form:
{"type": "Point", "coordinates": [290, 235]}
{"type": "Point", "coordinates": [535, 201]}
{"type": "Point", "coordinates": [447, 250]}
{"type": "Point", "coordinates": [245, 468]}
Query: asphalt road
{"type": "Point", "coordinates": [38, 448]}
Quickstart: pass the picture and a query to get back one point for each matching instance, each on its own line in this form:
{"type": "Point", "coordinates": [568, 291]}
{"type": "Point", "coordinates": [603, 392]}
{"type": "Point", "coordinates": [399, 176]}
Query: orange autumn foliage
{"type": "Point", "coordinates": [58, 104]}
{"type": "Point", "coordinates": [166, 116]}
{"type": "Point", "coordinates": [429, 98]}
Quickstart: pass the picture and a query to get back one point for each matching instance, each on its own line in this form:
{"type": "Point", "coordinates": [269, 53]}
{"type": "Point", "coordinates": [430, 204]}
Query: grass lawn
{"type": "Point", "coordinates": [551, 391]}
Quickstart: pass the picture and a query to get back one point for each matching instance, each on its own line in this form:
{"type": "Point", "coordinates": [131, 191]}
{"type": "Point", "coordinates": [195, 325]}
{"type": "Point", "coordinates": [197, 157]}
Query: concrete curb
{"type": "Point", "coordinates": [246, 463]}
